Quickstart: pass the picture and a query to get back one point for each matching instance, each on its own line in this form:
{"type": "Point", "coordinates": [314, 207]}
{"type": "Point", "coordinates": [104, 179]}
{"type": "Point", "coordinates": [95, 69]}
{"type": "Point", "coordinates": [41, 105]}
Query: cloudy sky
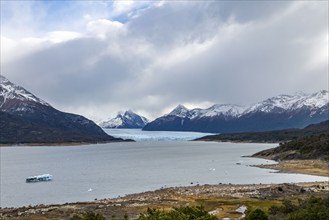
{"type": "Point", "coordinates": [96, 58]}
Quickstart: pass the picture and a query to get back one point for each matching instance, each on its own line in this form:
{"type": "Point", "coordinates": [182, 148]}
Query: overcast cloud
{"type": "Point", "coordinates": [96, 58]}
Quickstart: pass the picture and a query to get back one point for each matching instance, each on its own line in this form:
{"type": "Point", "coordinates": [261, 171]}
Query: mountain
{"type": "Point", "coordinates": [127, 119]}
{"type": "Point", "coordinates": [26, 118]}
{"type": "Point", "coordinates": [279, 112]}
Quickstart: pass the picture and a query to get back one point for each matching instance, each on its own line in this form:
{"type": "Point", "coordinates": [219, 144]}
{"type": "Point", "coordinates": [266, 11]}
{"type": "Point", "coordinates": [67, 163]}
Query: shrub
{"type": "Point", "coordinates": [257, 214]}
{"type": "Point", "coordinates": [180, 213]}
{"type": "Point", "coordinates": [93, 216]}
{"type": "Point", "coordinates": [311, 209]}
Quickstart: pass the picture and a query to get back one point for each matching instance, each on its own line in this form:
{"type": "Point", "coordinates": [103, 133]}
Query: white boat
{"type": "Point", "coordinates": [39, 178]}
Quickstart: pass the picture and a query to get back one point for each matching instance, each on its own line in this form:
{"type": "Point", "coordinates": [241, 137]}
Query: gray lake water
{"type": "Point", "coordinates": [83, 173]}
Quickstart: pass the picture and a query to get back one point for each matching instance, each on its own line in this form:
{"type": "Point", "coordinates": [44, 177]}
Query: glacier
{"type": "Point", "coordinates": [140, 135]}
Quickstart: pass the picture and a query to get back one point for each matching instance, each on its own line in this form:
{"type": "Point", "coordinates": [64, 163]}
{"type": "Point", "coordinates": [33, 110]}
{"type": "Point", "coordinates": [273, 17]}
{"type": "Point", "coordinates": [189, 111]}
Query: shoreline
{"type": "Point", "coordinates": [237, 141]}
{"type": "Point", "coordinates": [64, 144]}
{"type": "Point", "coordinates": [314, 167]}
{"type": "Point", "coordinates": [309, 167]}
{"type": "Point", "coordinates": [118, 141]}
{"type": "Point", "coordinates": [223, 197]}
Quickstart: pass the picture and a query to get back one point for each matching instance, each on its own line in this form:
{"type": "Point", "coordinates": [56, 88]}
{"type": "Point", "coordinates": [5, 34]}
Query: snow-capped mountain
{"type": "Point", "coordinates": [26, 118]}
{"type": "Point", "coordinates": [127, 119]}
{"type": "Point", "coordinates": [226, 110]}
{"type": "Point", "coordinates": [291, 102]}
{"type": "Point", "coordinates": [180, 111]}
{"type": "Point", "coordinates": [12, 95]}
{"type": "Point", "coordinates": [279, 112]}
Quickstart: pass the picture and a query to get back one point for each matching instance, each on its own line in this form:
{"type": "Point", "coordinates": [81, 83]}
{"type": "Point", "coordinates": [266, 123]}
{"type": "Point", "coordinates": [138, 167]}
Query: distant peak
{"type": "Point", "coordinates": [125, 113]}
{"type": "Point", "coordinates": [180, 106]}
{"type": "Point", "coordinates": [180, 111]}
{"type": "Point", "coordinates": [125, 119]}
{"type": "Point", "coordinates": [129, 112]}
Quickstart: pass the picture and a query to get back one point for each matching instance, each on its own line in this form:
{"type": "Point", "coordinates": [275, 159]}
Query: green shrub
{"type": "Point", "coordinates": [312, 208]}
{"type": "Point", "coordinates": [180, 213]}
{"type": "Point", "coordinates": [257, 214]}
{"type": "Point", "coordinates": [93, 216]}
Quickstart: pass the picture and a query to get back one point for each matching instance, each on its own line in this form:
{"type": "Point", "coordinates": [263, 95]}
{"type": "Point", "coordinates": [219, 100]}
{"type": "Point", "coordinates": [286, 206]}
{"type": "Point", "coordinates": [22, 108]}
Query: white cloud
{"type": "Point", "coordinates": [123, 7]}
{"type": "Point", "coordinates": [319, 46]}
{"type": "Point", "coordinates": [62, 36]}
{"type": "Point", "coordinates": [104, 28]}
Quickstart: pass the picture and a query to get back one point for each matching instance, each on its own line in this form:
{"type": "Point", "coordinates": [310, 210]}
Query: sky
{"type": "Point", "coordinates": [96, 58]}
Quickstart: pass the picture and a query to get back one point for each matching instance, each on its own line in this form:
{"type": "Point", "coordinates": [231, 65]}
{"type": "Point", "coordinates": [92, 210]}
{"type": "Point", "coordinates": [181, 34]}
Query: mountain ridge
{"type": "Point", "coordinates": [21, 109]}
{"type": "Point", "coordinates": [278, 112]}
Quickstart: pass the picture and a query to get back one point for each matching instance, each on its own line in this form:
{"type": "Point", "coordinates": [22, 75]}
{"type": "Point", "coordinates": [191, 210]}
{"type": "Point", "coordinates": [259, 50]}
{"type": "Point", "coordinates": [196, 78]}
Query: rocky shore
{"type": "Point", "coordinates": [222, 199]}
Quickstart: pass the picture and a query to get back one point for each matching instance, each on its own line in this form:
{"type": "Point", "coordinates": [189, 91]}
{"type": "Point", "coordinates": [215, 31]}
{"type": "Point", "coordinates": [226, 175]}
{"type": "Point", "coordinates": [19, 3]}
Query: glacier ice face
{"type": "Point", "coordinates": [140, 135]}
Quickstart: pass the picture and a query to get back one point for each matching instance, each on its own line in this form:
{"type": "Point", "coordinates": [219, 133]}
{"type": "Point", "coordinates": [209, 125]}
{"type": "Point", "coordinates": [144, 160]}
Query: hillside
{"type": "Point", "coordinates": [270, 136]}
{"type": "Point", "coordinates": [17, 130]}
{"type": "Point", "coordinates": [310, 147]}
{"type": "Point", "coordinates": [309, 143]}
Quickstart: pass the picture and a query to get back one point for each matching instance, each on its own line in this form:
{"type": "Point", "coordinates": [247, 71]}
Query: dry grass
{"type": "Point", "coordinates": [312, 167]}
{"type": "Point", "coordinates": [223, 198]}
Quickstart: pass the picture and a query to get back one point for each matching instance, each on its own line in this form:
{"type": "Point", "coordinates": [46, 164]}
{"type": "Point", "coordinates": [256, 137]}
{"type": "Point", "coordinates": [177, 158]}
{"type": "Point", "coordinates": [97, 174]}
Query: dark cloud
{"type": "Point", "coordinates": [214, 52]}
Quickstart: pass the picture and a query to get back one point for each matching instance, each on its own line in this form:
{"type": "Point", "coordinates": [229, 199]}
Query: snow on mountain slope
{"type": "Point", "coordinates": [9, 92]}
{"type": "Point", "coordinates": [127, 119]}
{"type": "Point", "coordinates": [279, 112]}
{"type": "Point", "coordinates": [223, 109]}
{"type": "Point", "coordinates": [280, 102]}
{"type": "Point", "coordinates": [276, 104]}
{"type": "Point", "coordinates": [315, 100]}
{"type": "Point", "coordinates": [215, 110]}
{"type": "Point", "coordinates": [180, 111]}
{"type": "Point", "coordinates": [291, 102]}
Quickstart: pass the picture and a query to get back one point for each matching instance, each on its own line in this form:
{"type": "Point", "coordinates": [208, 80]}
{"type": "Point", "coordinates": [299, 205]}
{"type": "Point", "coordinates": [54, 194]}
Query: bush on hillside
{"type": "Point", "coordinates": [180, 213]}
{"type": "Point", "coordinates": [257, 214]}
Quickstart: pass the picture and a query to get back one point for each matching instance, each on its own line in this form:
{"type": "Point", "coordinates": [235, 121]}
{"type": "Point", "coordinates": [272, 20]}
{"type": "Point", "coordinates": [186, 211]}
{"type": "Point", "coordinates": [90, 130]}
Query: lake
{"type": "Point", "coordinates": [83, 173]}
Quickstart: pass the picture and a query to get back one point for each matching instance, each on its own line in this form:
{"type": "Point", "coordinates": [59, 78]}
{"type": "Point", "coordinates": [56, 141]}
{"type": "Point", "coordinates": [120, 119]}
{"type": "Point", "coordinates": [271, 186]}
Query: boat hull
{"type": "Point", "coordinates": [39, 178]}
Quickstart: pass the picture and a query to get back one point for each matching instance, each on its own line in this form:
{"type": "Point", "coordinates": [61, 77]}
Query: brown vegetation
{"type": "Point", "coordinates": [224, 199]}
